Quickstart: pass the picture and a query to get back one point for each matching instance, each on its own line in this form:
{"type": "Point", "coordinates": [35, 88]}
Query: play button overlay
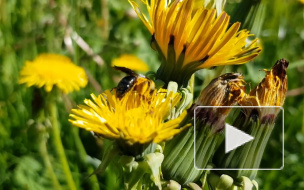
{"type": "Point", "coordinates": [238, 142]}
{"type": "Point", "coordinates": [235, 138]}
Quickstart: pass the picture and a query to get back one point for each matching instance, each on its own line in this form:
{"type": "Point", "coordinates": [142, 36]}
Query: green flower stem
{"type": "Point", "coordinates": [47, 162]}
{"type": "Point", "coordinates": [167, 73]}
{"type": "Point", "coordinates": [110, 154]}
{"type": "Point", "coordinates": [164, 72]}
{"type": "Point", "coordinates": [171, 68]}
{"type": "Point", "coordinates": [248, 155]}
{"type": "Point", "coordinates": [176, 152]}
{"type": "Point", "coordinates": [145, 172]}
{"type": "Point", "coordinates": [83, 154]}
{"type": "Point", "coordinates": [58, 144]}
{"type": "Point", "coordinates": [179, 164]}
{"type": "Point", "coordinates": [206, 143]}
{"type": "Point", "coordinates": [43, 138]}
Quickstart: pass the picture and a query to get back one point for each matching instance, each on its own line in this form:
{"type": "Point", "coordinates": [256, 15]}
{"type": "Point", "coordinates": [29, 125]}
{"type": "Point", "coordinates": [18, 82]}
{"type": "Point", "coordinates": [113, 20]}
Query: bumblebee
{"type": "Point", "coordinates": [128, 82]}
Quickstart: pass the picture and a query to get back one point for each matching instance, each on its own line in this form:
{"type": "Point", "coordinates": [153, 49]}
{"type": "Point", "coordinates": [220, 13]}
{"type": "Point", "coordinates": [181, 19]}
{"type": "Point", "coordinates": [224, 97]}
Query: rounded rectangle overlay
{"type": "Point", "coordinates": [242, 107]}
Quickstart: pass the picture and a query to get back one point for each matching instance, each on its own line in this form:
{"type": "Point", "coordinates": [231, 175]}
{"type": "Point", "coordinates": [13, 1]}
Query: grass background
{"type": "Point", "coordinates": [110, 28]}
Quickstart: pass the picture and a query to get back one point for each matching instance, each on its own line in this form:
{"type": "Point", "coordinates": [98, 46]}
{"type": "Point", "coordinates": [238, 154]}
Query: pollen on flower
{"type": "Point", "coordinates": [51, 70]}
{"type": "Point", "coordinates": [134, 119]}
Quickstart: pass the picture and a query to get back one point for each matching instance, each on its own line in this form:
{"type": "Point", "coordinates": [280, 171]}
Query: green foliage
{"type": "Point", "coordinates": [28, 28]}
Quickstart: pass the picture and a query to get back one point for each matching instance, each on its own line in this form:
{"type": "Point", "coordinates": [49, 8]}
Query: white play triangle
{"type": "Point", "coordinates": [235, 138]}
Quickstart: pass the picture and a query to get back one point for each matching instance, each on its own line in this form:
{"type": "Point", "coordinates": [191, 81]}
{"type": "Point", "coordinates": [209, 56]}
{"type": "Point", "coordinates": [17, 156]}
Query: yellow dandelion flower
{"type": "Point", "coordinates": [191, 39]}
{"type": "Point", "coordinates": [133, 119]}
{"type": "Point", "coordinates": [131, 62]}
{"type": "Point", "coordinates": [49, 70]}
{"type": "Point", "coordinates": [301, 1]}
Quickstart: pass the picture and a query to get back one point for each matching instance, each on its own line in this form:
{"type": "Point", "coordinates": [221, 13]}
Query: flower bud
{"type": "Point", "coordinates": [225, 90]}
{"type": "Point", "coordinates": [258, 122]}
{"type": "Point", "coordinates": [270, 92]}
{"type": "Point", "coordinates": [179, 164]}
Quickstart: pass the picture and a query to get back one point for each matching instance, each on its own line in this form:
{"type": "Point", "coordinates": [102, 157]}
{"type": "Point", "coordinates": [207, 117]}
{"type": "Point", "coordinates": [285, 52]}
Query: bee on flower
{"type": "Point", "coordinates": [135, 118]}
{"type": "Point", "coordinates": [130, 80]}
